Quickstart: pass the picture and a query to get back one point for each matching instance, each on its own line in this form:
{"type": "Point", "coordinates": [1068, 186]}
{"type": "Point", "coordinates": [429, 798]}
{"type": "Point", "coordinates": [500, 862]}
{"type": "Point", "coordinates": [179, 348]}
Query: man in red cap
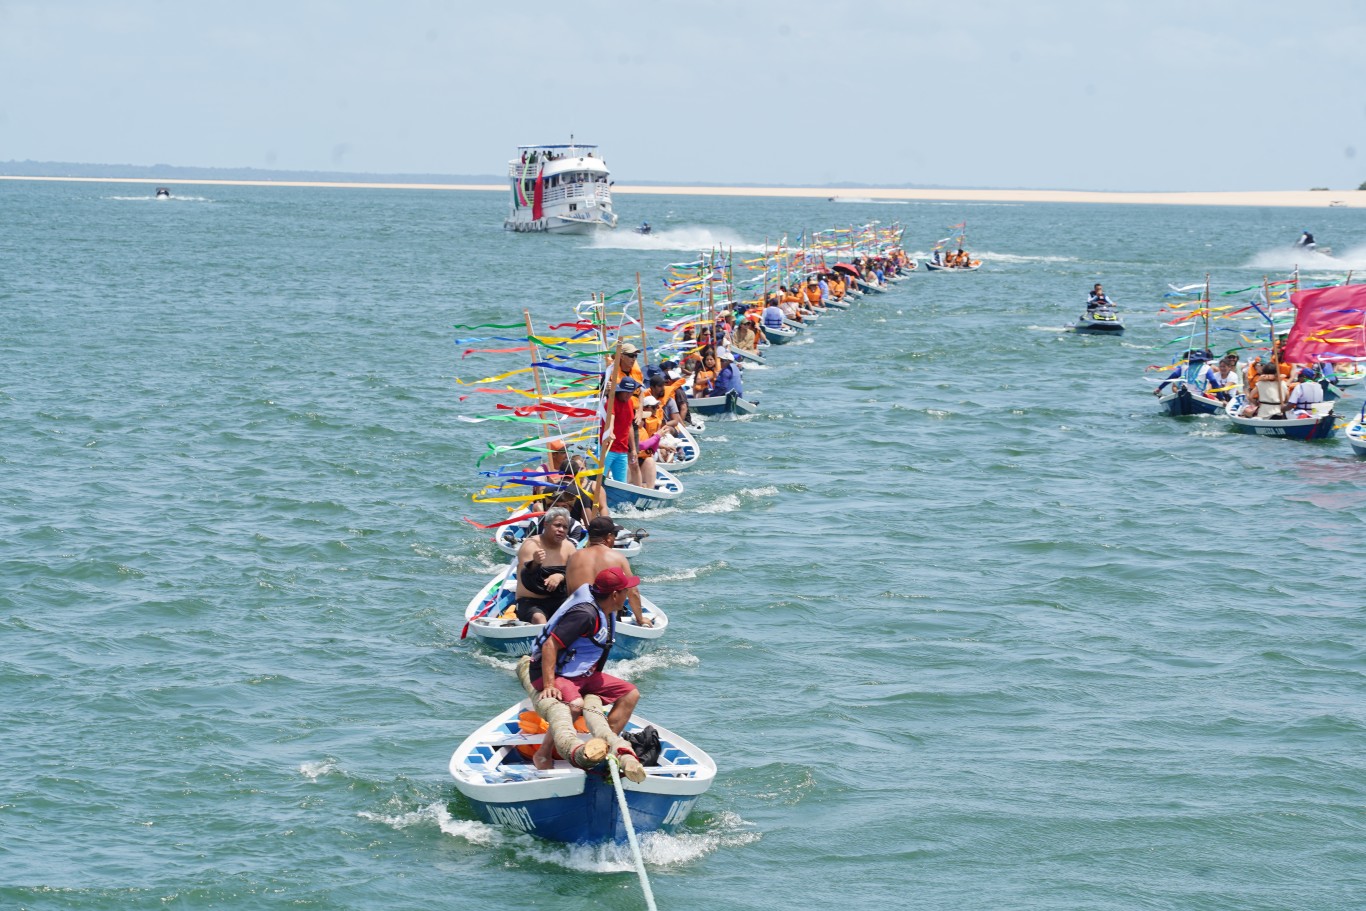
{"type": "Point", "coordinates": [572, 649]}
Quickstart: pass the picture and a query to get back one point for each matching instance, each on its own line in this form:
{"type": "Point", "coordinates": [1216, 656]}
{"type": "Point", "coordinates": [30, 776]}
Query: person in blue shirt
{"type": "Point", "coordinates": [1196, 373]}
{"type": "Point", "coordinates": [728, 377]}
{"type": "Point", "coordinates": [773, 314]}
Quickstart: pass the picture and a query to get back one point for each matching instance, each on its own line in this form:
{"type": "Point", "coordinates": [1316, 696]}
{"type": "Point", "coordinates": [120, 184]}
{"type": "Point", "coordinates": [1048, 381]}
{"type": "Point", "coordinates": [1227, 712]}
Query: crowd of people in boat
{"type": "Point", "coordinates": [1273, 388]}
{"type": "Point", "coordinates": [956, 259]}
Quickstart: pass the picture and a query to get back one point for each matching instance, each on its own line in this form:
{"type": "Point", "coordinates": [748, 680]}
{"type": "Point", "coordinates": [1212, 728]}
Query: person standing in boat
{"type": "Point", "coordinates": [627, 356]}
{"type": "Point", "coordinates": [541, 563]}
{"type": "Point", "coordinates": [621, 449]}
{"type": "Point", "coordinates": [599, 554]}
{"type": "Point", "coordinates": [570, 653]}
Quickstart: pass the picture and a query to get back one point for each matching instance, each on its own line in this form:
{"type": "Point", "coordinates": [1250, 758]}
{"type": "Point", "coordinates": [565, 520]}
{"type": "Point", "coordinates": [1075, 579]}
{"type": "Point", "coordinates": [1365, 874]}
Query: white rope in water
{"type": "Point", "coordinates": [631, 834]}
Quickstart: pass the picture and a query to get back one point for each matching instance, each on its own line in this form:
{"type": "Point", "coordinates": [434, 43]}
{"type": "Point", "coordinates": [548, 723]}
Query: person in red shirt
{"type": "Point", "coordinates": [621, 463]}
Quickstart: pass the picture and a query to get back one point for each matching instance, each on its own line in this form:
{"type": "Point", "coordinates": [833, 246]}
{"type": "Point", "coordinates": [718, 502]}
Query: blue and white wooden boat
{"type": "Point", "coordinates": [837, 304]}
{"type": "Point", "coordinates": [931, 266]}
{"type": "Point", "coordinates": [1322, 425]}
{"type": "Point", "coordinates": [1349, 374]}
{"type": "Point", "coordinates": [730, 403]}
{"type": "Point", "coordinates": [567, 804]}
{"type": "Point", "coordinates": [1101, 321]}
{"type": "Point", "coordinates": [781, 335]}
{"type": "Point", "coordinates": [749, 357]}
{"type": "Point", "coordinates": [688, 451]}
{"type": "Point", "coordinates": [488, 617]}
{"type": "Point", "coordinates": [509, 538]}
{"type": "Point", "coordinates": [666, 490]}
{"type": "Point", "coordinates": [1356, 433]}
{"type": "Point", "coordinates": [1179, 399]}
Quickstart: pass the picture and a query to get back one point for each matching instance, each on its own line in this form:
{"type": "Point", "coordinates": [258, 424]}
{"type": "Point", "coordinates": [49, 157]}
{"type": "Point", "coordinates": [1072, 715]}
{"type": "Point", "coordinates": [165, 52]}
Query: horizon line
{"type": "Point", "coordinates": [1268, 198]}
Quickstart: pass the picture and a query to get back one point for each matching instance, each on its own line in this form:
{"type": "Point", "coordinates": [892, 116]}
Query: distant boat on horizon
{"type": "Point", "coordinates": [163, 193]}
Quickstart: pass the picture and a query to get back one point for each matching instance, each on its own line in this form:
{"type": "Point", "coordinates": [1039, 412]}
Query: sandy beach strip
{"type": "Point", "coordinates": [1309, 199]}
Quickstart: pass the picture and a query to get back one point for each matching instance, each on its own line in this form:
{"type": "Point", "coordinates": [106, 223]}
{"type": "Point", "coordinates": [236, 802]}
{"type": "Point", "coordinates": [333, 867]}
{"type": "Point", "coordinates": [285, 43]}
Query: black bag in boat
{"type": "Point", "coordinates": [645, 743]}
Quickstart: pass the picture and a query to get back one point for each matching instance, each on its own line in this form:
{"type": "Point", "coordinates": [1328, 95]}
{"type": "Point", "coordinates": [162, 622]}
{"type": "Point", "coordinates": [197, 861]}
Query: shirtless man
{"type": "Point", "coordinates": [542, 562]}
{"type": "Point", "coordinates": [599, 554]}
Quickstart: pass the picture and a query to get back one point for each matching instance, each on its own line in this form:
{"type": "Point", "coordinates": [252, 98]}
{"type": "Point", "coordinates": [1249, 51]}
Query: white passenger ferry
{"type": "Point", "coordinates": [563, 189]}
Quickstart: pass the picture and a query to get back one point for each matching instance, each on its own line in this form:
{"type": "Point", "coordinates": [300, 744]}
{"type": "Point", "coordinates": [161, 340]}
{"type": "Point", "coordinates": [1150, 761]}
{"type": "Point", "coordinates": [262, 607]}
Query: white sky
{"type": "Point", "coordinates": [1079, 95]}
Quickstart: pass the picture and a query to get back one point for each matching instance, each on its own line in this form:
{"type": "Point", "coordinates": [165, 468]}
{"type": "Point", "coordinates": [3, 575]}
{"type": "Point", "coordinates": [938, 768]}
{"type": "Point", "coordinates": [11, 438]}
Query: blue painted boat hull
{"type": "Point", "coordinates": [1323, 427]}
{"type": "Point", "coordinates": [569, 805]}
{"type": "Point", "coordinates": [625, 646]}
{"type": "Point", "coordinates": [728, 404]}
{"type": "Point", "coordinates": [667, 489]}
{"type": "Point", "coordinates": [591, 817]}
{"type": "Point", "coordinates": [779, 336]}
{"type": "Point", "coordinates": [1183, 403]}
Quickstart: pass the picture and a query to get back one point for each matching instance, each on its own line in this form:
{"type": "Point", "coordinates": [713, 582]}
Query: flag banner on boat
{"type": "Point", "coordinates": [1329, 322]}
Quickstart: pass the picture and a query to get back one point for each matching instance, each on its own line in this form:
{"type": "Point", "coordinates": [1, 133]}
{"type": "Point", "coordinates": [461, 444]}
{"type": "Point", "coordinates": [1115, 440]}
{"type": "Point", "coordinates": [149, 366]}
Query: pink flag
{"type": "Point", "coordinates": [1328, 322]}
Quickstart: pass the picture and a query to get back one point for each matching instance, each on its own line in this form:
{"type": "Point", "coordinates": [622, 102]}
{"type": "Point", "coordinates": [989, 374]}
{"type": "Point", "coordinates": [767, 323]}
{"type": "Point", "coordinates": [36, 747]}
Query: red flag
{"type": "Point", "coordinates": [1328, 321]}
{"type": "Point", "coordinates": [538, 198]}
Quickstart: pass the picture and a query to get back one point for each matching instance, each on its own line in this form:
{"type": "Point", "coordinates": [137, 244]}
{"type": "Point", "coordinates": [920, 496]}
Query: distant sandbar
{"type": "Point", "coordinates": [1268, 198]}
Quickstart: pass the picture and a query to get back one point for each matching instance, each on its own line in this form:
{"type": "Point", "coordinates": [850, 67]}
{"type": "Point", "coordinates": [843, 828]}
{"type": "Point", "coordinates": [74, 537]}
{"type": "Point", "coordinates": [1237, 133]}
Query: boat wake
{"type": "Point", "coordinates": [1284, 259]}
{"type": "Point", "coordinates": [1012, 258]}
{"type": "Point", "coordinates": [869, 201]}
{"type": "Point", "coordinates": [635, 668]}
{"type": "Point", "coordinates": [690, 573]}
{"type": "Point", "coordinates": [160, 199]}
{"type": "Point", "coordinates": [720, 830]}
{"type": "Point", "coordinates": [683, 238]}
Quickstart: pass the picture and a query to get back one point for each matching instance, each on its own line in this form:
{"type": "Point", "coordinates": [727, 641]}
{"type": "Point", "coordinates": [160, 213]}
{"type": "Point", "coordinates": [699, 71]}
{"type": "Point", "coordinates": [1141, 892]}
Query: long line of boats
{"type": "Point", "coordinates": [565, 403]}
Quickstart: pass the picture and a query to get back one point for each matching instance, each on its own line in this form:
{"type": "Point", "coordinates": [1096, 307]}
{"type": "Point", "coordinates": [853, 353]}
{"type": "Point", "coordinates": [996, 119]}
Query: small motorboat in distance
{"type": "Point", "coordinates": [163, 193]}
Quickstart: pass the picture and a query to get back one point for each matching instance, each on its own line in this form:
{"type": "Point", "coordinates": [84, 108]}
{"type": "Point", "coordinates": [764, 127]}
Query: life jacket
{"type": "Point", "coordinates": [585, 655]}
{"type": "Point", "coordinates": [773, 320]}
{"type": "Point", "coordinates": [531, 723]}
{"type": "Point", "coordinates": [702, 381]}
{"type": "Point", "coordinates": [1271, 393]}
{"type": "Point", "coordinates": [813, 294]}
{"type": "Point", "coordinates": [1196, 376]}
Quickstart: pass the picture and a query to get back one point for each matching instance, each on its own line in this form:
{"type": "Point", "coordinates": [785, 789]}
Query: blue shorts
{"type": "Point", "coordinates": [615, 466]}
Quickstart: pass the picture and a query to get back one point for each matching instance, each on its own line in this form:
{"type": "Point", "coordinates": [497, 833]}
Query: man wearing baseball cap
{"type": "Point", "coordinates": [628, 363]}
{"type": "Point", "coordinates": [600, 554]}
{"type": "Point", "coordinates": [569, 654]}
